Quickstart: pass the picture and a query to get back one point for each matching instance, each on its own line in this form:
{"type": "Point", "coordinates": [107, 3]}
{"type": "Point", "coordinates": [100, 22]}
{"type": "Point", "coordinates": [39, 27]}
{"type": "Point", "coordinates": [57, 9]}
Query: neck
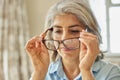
{"type": "Point", "coordinates": [71, 68]}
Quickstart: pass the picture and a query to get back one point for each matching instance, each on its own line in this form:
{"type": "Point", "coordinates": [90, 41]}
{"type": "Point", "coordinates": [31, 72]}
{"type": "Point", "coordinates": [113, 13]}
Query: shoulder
{"type": "Point", "coordinates": [105, 65]}
{"type": "Point", "coordinates": [107, 70]}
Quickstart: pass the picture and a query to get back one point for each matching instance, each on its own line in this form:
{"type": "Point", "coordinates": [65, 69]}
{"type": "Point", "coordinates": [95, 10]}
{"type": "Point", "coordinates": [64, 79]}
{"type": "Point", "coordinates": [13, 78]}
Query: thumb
{"type": "Point", "coordinates": [82, 50]}
{"type": "Point", "coordinates": [83, 47]}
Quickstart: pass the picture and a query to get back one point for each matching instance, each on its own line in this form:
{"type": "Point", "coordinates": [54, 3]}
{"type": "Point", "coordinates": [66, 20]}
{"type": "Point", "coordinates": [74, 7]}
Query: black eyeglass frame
{"type": "Point", "coordinates": [60, 41]}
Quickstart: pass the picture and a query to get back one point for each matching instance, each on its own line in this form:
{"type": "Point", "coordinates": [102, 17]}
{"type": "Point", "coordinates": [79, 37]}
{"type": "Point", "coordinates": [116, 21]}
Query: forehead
{"type": "Point", "coordinates": [66, 20]}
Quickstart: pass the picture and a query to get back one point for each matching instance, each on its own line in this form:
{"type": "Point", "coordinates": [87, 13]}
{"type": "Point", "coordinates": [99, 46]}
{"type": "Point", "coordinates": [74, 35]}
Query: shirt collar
{"type": "Point", "coordinates": [57, 67]}
{"type": "Point", "coordinates": [96, 66]}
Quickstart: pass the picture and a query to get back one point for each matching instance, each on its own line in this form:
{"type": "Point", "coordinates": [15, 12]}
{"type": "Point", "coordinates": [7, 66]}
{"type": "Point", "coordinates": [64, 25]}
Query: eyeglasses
{"type": "Point", "coordinates": [71, 43]}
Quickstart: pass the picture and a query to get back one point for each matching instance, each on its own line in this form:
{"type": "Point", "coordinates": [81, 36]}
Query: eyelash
{"type": "Point", "coordinates": [71, 31]}
{"type": "Point", "coordinates": [58, 31]}
{"type": "Point", "coordinates": [75, 31]}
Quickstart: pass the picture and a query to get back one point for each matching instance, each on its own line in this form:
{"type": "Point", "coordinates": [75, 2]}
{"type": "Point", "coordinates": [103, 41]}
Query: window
{"type": "Point", "coordinates": [114, 20]}
{"type": "Point", "coordinates": [107, 13]}
{"type": "Point", "coordinates": [115, 1]}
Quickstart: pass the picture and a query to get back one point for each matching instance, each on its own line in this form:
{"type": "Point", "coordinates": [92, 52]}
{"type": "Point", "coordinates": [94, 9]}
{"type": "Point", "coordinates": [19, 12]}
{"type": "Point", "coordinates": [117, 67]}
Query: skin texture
{"type": "Point", "coordinates": [39, 56]}
{"type": "Point", "coordinates": [74, 61]}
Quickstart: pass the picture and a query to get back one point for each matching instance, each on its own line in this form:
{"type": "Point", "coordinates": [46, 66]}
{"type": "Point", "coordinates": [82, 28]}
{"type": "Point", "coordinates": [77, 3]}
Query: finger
{"type": "Point", "coordinates": [92, 46]}
{"type": "Point", "coordinates": [83, 47]}
{"type": "Point", "coordinates": [44, 34]}
{"type": "Point", "coordinates": [88, 37]}
{"type": "Point", "coordinates": [88, 41]}
{"type": "Point", "coordinates": [29, 45]}
{"type": "Point", "coordinates": [84, 33]}
{"type": "Point", "coordinates": [82, 51]}
{"type": "Point", "coordinates": [33, 43]}
{"type": "Point", "coordinates": [44, 48]}
{"type": "Point", "coordinates": [83, 41]}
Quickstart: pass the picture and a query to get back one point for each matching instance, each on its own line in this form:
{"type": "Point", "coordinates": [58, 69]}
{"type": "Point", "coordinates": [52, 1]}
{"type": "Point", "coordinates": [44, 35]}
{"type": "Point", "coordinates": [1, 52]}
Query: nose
{"type": "Point", "coordinates": [65, 35]}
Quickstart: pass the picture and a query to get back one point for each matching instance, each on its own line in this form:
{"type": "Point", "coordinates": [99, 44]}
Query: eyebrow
{"type": "Point", "coordinates": [76, 25]}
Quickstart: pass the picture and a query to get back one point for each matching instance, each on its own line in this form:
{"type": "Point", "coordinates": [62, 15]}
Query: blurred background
{"type": "Point", "coordinates": [22, 19]}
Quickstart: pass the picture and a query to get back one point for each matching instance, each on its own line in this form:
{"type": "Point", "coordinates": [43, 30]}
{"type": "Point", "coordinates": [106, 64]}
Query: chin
{"type": "Point", "coordinates": [69, 54]}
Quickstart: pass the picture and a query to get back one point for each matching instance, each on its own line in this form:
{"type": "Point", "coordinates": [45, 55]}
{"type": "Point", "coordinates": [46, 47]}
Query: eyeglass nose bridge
{"type": "Point", "coordinates": [62, 42]}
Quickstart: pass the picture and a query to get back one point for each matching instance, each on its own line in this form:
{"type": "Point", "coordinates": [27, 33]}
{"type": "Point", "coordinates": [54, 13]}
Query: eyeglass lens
{"type": "Point", "coordinates": [71, 43]}
{"type": "Point", "coordinates": [68, 43]}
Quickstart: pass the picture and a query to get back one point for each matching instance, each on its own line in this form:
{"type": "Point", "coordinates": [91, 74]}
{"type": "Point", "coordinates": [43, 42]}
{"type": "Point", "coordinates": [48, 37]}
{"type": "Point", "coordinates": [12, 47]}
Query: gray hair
{"type": "Point", "coordinates": [79, 8]}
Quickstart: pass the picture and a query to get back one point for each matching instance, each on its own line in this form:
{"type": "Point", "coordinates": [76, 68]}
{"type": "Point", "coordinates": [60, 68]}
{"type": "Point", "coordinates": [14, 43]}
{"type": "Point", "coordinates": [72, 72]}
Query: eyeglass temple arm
{"type": "Point", "coordinates": [44, 33]}
{"type": "Point", "coordinates": [89, 30]}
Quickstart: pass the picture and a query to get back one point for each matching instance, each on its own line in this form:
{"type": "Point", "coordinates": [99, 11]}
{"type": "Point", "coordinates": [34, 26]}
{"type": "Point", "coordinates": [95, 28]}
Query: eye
{"type": "Point", "coordinates": [57, 31]}
{"type": "Point", "coordinates": [75, 31]}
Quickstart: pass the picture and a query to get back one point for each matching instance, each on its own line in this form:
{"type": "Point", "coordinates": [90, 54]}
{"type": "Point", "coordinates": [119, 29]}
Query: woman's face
{"type": "Point", "coordinates": [65, 27]}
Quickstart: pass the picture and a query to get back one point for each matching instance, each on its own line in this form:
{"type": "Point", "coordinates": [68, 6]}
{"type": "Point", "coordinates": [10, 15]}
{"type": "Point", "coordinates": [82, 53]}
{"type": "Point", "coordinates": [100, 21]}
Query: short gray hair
{"type": "Point", "coordinates": [80, 9]}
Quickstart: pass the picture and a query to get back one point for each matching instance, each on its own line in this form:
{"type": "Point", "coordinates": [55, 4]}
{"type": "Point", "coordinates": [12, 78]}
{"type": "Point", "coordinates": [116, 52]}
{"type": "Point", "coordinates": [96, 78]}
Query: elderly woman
{"type": "Point", "coordinates": [69, 48]}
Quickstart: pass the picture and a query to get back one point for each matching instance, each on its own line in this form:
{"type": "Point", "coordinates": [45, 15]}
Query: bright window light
{"type": "Point", "coordinates": [115, 29]}
{"type": "Point", "coordinates": [108, 22]}
{"type": "Point", "coordinates": [99, 9]}
{"type": "Point", "coordinates": [115, 1]}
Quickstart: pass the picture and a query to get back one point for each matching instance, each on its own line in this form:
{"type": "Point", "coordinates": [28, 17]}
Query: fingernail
{"type": "Point", "coordinates": [83, 30]}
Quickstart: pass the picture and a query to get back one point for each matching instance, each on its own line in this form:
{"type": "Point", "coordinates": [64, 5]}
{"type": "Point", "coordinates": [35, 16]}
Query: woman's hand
{"type": "Point", "coordinates": [38, 54]}
{"type": "Point", "coordinates": [89, 50]}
